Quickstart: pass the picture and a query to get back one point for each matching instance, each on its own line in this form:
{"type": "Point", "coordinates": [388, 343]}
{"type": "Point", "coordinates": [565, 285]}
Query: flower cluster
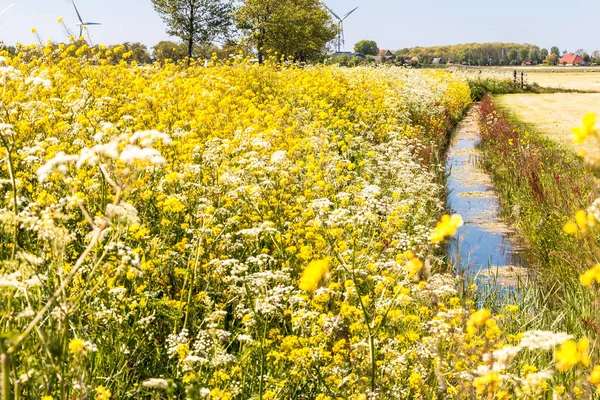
{"type": "Point", "coordinates": [236, 231]}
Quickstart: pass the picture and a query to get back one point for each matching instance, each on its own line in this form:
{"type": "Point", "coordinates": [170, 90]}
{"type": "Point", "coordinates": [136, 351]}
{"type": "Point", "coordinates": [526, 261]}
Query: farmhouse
{"type": "Point", "coordinates": [384, 55]}
{"type": "Point", "coordinates": [571, 59]}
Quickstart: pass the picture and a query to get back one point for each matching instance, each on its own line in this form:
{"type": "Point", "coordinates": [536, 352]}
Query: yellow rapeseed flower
{"type": "Point", "coordinates": [33, 30]}
{"type": "Point", "coordinates": [587, 129]}
{"type": "Point", "coordinates": [572, 353]}
{"type": "Point", "coordinates": [582, 223]}
{"type": "Point", "coordinates": [487, 384]}
{"type": "Point", "coordinates": [76, 346]}
{"type": "Point", "coordinates": [102, 393]}
{"type": "Point", "coordinates": [413, 266]}
{"type": "Point", "coordinates": [446, 227]}
{"type": "Point", "coordinates": [174, 205]}
{"type": "Point", "coordinates": [581, 219]}
{"type": "Point", "coordinates": [595, 376]}
{"type": "Point", "coordinates": [312, 275]}
{"type": "Point", "coordinates": [570, 228]}
{"type": "Point", "coordinates": [477, 320]}
{"type": "Point", "coordinates": [589, 276]}
{"type": "Point", "coordinates": [512, 308]}
{"type": "Point", "coordinates": [60, 20]}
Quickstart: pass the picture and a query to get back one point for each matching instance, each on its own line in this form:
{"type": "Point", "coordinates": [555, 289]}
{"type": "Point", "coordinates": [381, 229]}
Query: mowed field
{"type": "Point", "coordinates": [552, 114]}
{"type": "Point", "coordinates": [588, 81]}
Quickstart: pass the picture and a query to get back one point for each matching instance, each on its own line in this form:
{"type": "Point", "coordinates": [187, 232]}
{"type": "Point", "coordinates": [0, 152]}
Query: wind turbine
{"type": "Point", "coordinates": [82, 24]}
{"type": "Point", "coordinates": [340, 39]}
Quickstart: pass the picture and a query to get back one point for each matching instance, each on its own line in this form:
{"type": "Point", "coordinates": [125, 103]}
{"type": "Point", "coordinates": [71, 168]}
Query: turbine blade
{"type": "Point", "coordinates": [93, 23]}
{"type": "Point", "coordinates": [331, 11]}
{"type": "Point", "coordinates": [77, 11]}
{"type": "Point", "coordinates": [347, 15]}
{"type": "Point", "coordinates": [7, 8]}
{"type": "Point", "coordinates": [80, 31]}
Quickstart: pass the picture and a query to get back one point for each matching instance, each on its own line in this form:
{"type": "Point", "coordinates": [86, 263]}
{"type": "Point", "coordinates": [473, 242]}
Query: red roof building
{"type": "Point", "coordinates": [571, 59]}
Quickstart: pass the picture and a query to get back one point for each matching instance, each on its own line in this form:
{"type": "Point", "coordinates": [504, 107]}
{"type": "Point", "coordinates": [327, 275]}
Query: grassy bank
{"type": "Point", "coordinates": [492, 82]}
{"type": "Point", "coordinates": [542, 185]}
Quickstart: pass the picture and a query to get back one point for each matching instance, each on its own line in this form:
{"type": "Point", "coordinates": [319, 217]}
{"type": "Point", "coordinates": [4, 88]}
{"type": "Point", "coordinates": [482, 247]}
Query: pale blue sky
{"type": "Point", "coordinates": [393, 24]}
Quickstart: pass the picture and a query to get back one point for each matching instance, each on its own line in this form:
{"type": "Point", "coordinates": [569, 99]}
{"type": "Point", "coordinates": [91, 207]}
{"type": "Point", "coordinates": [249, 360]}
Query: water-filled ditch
{"type": "Point", "coordinates": [484, 248]}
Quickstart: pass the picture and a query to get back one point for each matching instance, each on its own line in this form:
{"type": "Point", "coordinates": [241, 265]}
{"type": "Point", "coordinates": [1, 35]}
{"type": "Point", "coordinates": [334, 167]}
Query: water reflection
{"type": "Point", "coordinates": [482, 249]}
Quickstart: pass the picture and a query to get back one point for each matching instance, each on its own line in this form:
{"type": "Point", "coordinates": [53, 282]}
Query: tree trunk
{"type": "Point", "coordinates": [192, 31]}
{"type": "Point", "coordinates": [260, 46]}
{"type": "Point", "coordinates": [190, 49]}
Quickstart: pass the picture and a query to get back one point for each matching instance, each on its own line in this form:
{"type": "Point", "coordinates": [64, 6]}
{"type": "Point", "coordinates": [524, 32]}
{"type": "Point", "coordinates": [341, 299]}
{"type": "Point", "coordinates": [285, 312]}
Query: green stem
{"type": "Point", "coordinates": [76, 268]}
{"type": "Point", "coordinates": [373, 365]}
{"type": "Point", "coordinates": [5, 376]}
{"type": "Point", "coordinates": [17, 390]}
{"type": "Point", "coordinates": [191, 288]}
{"type": "Point", "coordinates": [13, 182]}
{"type": "Point", "coordinates": [262, 363]}
{"type": "Point", "coordinates": [370, 330]}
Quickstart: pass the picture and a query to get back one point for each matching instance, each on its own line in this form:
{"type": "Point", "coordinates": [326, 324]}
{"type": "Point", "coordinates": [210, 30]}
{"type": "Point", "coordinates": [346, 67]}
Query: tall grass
{"type": "Point", "coordinates": [494, 85]}
{"type": "Point", "coordinates": [541, 185]}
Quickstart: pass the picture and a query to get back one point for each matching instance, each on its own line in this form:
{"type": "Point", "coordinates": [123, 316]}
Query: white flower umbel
{"type": "Point", "coordinates": [543, 340]}
{"type": "Point", "coordinates": [131, 154]}
{"type": "Point", "coordinates": [156, 383]}
{"type": "Point", "coordinates": [109, 152]}
{"type": "Point", "coordinates": [57, 163]}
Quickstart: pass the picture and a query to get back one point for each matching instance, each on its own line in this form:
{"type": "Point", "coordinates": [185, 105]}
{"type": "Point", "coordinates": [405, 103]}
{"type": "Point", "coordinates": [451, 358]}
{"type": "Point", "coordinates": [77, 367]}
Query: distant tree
{"type": "Point", "coordinates": [195, 21]}
{"type": "Point", "coordinates": [524, 54]}
{"type": "Point", "coordinates": [204, 50]}
{"type": "Point", "coordinates": [349, 61]}
{"type": "Point", "coordinates": [139, 52]}
{"type": "Point", "coordinates": [367, 47]}
{"type": "Point", "coordinates": [596, 55]}
{"type": "Point", "coordinates": [534, 55]}
{"type": "Point", "coordinates": [10, 49]}
{"type": "Point", "coordinates": [479, 53]}
{"type": "Point", "coordinates": [555, 50]}
{"type": "Point", "coordinates": [580, 52]}
{"type": "Point", "coordinates": [295, 28]}
{"type": "Point", "coordinates": [513, 56]}
{"type": "Point", "coordinates": [586, 57]}
{"type": "Point", "coordinates": [551, 59]}
{"type": "Point", "coordinates": [403, 52]}
{"type": "Point", "coordinates": [232, 48]}
{"type": "Point", "coordinates": [167, 50]}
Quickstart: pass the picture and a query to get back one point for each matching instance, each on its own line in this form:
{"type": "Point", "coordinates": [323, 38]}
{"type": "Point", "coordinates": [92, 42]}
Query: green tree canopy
{"type": "Point", "coordinates": [551, 59]}
{"type": "Point", "coordinates": [367, 47]}
{"type": "Point", "coordinates": [477, 53]}
{"type": "Point", "coordinates": [167, 50]}
{"type": "Point", "coordinates": [295, 28]}
{"type": "Point", "coordinates": [195, 21]}
{"type": "Point", "coordinates": [139, 52]}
